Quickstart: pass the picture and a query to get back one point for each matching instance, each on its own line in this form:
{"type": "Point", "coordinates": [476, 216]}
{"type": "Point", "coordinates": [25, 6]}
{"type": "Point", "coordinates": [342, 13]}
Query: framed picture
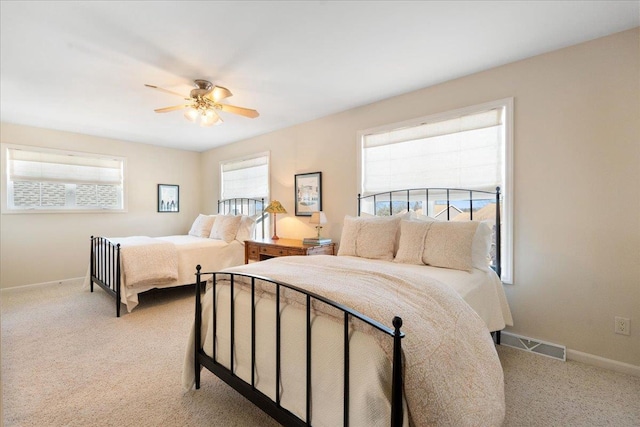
{"type": "Point", "coordinates": [168, 198]}
{"type": "Point", "coordinates": [308, 188]}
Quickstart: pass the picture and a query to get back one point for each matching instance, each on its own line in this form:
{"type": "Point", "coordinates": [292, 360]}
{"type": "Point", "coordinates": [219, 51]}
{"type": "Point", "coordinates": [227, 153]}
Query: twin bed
{"type": "Point", "coordinates": [128, 266]}
{"type": "Point", "coordinates": [395, 329]}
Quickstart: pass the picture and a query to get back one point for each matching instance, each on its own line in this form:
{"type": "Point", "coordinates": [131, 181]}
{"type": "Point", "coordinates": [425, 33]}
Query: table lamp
{"type": "Point", "coordinates": [318, 218]}
{"type": "Point", "coordinates": [275, 208]}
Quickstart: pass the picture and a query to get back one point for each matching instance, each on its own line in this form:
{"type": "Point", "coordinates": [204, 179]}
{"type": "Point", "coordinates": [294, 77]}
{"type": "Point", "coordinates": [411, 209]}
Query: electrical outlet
{"type": "Point", "coordinates": [622, 325]}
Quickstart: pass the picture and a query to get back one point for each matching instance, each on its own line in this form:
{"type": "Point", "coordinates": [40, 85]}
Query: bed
{"type": "Point", "coordinates": [318, 340]}
{"type": "Point", "coordinates": [128, 266]}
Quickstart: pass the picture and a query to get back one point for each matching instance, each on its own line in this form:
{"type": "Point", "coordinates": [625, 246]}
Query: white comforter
{"type": "Point", "coordinates": [452, 372]}
{"type": "Point", "coordinates": [147, 261]}
{"type": "Point", "coordinates": [168, 261]}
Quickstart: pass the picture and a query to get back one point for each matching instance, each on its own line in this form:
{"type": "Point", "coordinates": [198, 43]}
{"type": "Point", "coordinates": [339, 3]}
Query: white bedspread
{"type": "Point", "coordinates": [211, 254]}
{"type": "Point", "coordinates": [452, 372]}
{"type": "Point", "coordinates": [147, 261]}
{"type": "Point", "coordinates": [186, 252]}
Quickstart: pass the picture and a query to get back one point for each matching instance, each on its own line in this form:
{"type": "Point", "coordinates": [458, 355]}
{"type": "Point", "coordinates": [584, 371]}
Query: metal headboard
{"type": "Point", "coordinates": [244, 206]}
{"type": "Point", "coordinates": [399, 200]}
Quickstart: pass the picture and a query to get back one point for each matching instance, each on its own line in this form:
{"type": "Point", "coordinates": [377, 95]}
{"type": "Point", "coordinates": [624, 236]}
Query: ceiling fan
{"type": "Point", "coordinates": [204, 103]}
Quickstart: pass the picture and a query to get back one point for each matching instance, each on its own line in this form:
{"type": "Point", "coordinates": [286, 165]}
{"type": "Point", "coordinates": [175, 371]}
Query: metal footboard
{"type": "Point", "coordinates": [105, 267]}
{"type": "Point", "coordinates": [249, 390]}
{"type": "Point", "coordinates": [104, 257]}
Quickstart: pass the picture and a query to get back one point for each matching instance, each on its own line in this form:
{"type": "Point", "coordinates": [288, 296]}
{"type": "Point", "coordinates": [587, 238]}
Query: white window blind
{"type": "Point", "coordinates": [246, 177]}
{"type": "Point", "coordinates": [52, 179]}
{"type": "Point", "coordinates": [470, 148]}
{"type": "Point", "coordinates": [461, 152]}
{"type": "Point", "coordinates": [52, 167]}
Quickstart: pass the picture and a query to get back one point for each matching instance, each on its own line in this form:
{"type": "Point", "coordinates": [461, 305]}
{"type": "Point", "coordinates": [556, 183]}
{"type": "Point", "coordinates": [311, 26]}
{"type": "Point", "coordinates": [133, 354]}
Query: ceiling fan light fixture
{"type": "Point", "coordinates": [203, 103]}
{"type": "Point", "coordinates": [191, 115]}
{"type": "Point", "coordinates": [207, 119]}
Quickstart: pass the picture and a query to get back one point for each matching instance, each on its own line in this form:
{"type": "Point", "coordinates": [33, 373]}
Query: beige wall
{"type": "Point", "coordinates": [45, 247]}
{"type": "Point", "coordinates": [577, 183]}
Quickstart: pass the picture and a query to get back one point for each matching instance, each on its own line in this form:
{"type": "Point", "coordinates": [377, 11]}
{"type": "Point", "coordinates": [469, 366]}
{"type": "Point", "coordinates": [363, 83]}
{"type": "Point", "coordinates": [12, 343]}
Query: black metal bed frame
{"type": "Point", "coordinates": [269, 406]}
{"type": "Point", "coordinates": [104, 255]}
{"type": "Point", "coordinates": [273, 408]}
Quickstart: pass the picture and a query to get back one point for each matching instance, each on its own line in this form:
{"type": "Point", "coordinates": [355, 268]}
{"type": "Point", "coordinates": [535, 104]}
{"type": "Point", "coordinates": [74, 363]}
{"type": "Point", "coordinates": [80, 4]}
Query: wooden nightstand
{"type": "Point", "coordinates": [259, 250]}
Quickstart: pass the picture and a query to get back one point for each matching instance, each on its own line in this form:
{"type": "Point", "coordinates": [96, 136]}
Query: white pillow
{"type": "Point", "coordinates": [247, 227]}
{"type": "Point", "coordinates": [412, 238]}
{"type": "Point", "coordinates": [225, 227]}
{"type": "Point", "coordinates": [481, 246]}
{"type": "Point", "coordinates": [349, 236]}
{"type": "Point", "coordinates": [371, 237]}
{"type": "Point", "coordinates": [201, 227]}
{"type": "Point", "coordinates": [449, 244]}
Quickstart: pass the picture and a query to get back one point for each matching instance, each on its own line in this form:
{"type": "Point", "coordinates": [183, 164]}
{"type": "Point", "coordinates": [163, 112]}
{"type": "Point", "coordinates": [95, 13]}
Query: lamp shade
{"type": "Point", "coordinates": [191, 114]}
{"type": "Point", "coordinates": [275, 207]}
{"type": "Point", "coordinates": [318, 218]}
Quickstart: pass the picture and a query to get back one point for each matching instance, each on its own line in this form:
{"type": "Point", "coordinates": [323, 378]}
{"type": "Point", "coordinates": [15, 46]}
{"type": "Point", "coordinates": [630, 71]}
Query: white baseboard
{"type": "Point", "coordinates": [601, 362]}
{"type": "Point", "coordinates": [74, 281]}
{"type": "Point", "coordinates": [568, 354]}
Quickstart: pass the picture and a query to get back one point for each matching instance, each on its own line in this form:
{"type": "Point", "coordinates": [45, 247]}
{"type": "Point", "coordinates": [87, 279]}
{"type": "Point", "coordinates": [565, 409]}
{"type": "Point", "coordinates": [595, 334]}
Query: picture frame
{"type": "Point", "coordinates": [168, 198]}
{"type": "Point", "coordinates": [308, 193]}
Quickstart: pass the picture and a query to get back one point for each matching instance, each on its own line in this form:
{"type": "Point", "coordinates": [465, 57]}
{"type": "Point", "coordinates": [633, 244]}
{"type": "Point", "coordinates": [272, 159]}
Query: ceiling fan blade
{"type": "Point", "coordinates": [174, 108]}
{"type": "Point", "coordinates": [239, 110]}
{"type": "Point", "coordinates": [219, 93]}
{"type": "Point", "coordinates": [166, 91]}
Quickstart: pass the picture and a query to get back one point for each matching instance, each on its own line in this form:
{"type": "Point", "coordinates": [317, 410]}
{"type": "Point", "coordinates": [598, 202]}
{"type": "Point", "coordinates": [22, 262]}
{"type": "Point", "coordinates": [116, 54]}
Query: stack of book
{"type": "Point", "coordinates": [316, 241]}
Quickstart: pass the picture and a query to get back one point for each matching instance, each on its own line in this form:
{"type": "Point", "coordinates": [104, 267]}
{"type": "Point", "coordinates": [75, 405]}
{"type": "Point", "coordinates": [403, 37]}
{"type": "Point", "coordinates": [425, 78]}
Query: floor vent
{"type": "Point", "coordinates": [531, 345]}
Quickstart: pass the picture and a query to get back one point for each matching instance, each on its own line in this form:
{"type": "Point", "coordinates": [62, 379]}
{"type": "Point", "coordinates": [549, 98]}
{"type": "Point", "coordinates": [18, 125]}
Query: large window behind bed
{"type": "Point", "coordinates": [468, 148]}
{"type": "Point", "coordinates": [246, 177]}
{"type": "Point", "coordinates": [42, 180]}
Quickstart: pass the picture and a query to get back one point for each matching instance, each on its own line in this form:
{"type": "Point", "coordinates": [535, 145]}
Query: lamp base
{"type": "Point", "coordinates": [275, 232]}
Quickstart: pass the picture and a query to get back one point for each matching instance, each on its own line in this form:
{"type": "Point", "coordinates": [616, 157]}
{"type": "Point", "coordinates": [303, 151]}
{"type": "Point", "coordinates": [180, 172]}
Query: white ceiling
{"type": "Point", "coordinates": [82, 66]}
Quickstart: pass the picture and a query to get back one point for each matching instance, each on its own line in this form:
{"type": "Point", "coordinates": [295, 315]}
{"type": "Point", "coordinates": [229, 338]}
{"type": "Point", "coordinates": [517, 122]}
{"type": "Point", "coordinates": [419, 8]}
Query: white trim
{"type": "Point", "coordinates": [601, 362]}
{"type": "Point", "coordinates": [578, 356]}
{"type": "Point", "coordinates": [64, 282]}
{"type": "Point", "coordinates": [508, 192]}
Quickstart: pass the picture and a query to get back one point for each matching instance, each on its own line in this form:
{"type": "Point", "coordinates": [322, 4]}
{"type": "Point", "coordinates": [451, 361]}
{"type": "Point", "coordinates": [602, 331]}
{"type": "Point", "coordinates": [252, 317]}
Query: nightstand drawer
{"type": "Point", "coordinates": [274, 251]}
{"type": "Point", "coordinates": [253, 252]}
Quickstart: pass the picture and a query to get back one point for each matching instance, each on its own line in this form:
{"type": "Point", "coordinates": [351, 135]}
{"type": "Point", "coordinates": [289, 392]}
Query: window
{"type": "Point", "coordinates": [41, 179]}
{"type": "Point", "coordinates": [470, 148]}
{"type": "Point", "coordinates": [246, 177]}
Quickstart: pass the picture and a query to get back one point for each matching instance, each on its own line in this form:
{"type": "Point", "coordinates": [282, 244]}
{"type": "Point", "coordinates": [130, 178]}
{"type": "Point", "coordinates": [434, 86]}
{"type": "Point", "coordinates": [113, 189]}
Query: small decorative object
{"type": "Point", "coordinates": [308, 188]}
{"type": "Point", "coordinates": [168, 198]}
{"type": "Point", "coordinates": [275, 208]}
{"type": "Point", "coordinates": [317, 218]}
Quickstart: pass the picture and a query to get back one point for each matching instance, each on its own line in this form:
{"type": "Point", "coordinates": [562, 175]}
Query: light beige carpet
{"type": "Point", "coordinates": [68, 361]}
